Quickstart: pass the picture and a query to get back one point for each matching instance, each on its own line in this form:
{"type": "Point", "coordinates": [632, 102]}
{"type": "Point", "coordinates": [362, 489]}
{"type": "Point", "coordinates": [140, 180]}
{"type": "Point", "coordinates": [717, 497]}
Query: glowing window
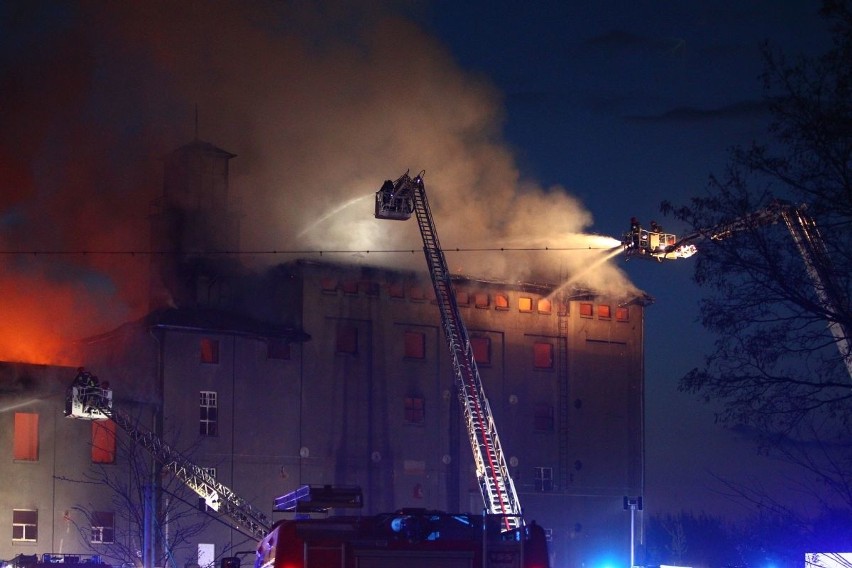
{"type": "Point", "coordinates": [396, 290]}
{"type": "Point", "coordinates": [103, 527]}
{"type": "Point", "coordinates": [462, 298]}
{"type": "Point", "coordinates": [481, 347]}
{"type": "Point", "coordinates": [604, 311]}
{"type": "Point", "coordinates": [26, 436]}
{"type": "Point", "coordinates": [415, 345]}
{"type": "Point", "coordinates": [417, 294]}
{"type": "Point", "coordinates": [210, 351]}
{"type": "Point", "coordinates": [347, 340]}
{"type": "Point", "coordinates": [622, 314]}
{"type": "Point", "coordinates": [329, 285]}
{"type": "Point", "coordinates": [277, 348]}
{"type": "Point", "coordinates": [545, 306]}
{"type": "Point", "coordinates": [349, 287]}
{"type": "Point", "coordinates": [481, 300]}
{"type": "Point", "coordinates": [24, 525]}
{"type": "Point", "coordinates": [524, 304]}
{"type": "Point", "coordinates": [542, 355]}
{"type": "Point", "coordinates": [586, 310]}
{"type": "Point", "coordinates": [543, 417]}
{"type": "Point", "coordinates": [543, 478]}
{"type": "Point", "coordinates": [103, 441]}
{"type": "Point", "coordinates": [209, 413]}
{"type": "Point", "coordinates": [415, 410]}
{"type": "Point", "coordinates": [501, 302]}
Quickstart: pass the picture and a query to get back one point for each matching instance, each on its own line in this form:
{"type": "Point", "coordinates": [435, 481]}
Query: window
{"type": "Point", "coordinates": [622, 314]}
{"type": "Point", "coordinates": [103, 441]}
{"type": "Point", "coordinates": [417, 294]}
{"type": "Point", "coordinates": [542, 355]}
{"type": "Point", "coordinates": [350, 287]}
{"type": "Point", "coordinates": [277, 349]}
{"type": "Point", "coordinates": [524, 304]}
{"type": "Point", "coordinates": [103, 527]}
{"type": "Point", "coordinates": [210, 351]}
{"type": "Point", "coordinates": [481, 300]}
{"type": "Point", "coordinates": [481, 347]}
{"type": "Point", "coordinates": [328, 285]}
{"type": "Point", "coordinates": [543, 417]}
{"type": "Point", "coordinates": [415, 345]}
{"type": "Point", "coordinates": [545, 306]}
{"type": "Point", "coordinates": [24, 525]}
{"type": "Point", "coordinates": [396, 290]}
{"type": "Point", "coordinates": [604, 311]}
{"type": "Point", "coordinates": [543, 479]}
{"type": "Point", "coordinates": [586, 310]}
{"type": "Point", "coordinates": [209, 413]}
{"type": "Point", "coordinates": [415, 410]}
{"type": "Point", "coordinates": [26, 436]}
{"type": "Point", "coordinates": [462, 298]}
{"type": "Point", "coordinates": [202, 502]}
{"type": "Point", "coordinates": [347, 340]}
{"type": "Point", "coordinates": [501, 302]}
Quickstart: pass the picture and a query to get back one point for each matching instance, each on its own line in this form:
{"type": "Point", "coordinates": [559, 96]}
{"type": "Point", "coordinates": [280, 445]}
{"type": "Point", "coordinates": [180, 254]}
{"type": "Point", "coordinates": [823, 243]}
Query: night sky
{"type": "Point", "coordinates": [535, 122]}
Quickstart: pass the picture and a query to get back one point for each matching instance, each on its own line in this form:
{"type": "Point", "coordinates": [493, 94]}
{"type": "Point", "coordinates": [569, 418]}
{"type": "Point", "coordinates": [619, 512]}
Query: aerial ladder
{"type": "Point", "coordinates": [87, 399]}
{"type": "Point", "coordinates": [806, 236]}
{"type": "Point", "coordinates": [397, 200]}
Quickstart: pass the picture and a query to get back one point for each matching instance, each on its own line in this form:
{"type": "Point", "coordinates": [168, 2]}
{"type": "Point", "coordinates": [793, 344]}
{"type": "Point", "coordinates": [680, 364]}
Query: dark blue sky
{"type": "Point", "coordinates": [627, 104]}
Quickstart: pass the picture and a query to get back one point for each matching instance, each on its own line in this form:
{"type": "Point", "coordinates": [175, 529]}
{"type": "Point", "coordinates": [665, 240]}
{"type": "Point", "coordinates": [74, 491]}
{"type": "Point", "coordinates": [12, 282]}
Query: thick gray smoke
{"type": "Point", "coordinates": [320, 105]}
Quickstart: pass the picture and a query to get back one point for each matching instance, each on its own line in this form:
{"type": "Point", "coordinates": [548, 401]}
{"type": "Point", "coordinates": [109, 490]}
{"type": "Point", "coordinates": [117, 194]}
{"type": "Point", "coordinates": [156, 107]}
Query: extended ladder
{"type": "Point", "coordinates": [397, 201]}
{"type": "Point", "coordinates": [95, 403]}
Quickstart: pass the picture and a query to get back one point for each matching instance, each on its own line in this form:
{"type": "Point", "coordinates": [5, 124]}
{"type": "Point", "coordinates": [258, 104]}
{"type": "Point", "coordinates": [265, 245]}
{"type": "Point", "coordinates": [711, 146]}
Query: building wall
{"type": "Point", "coordinates": [334, 411]}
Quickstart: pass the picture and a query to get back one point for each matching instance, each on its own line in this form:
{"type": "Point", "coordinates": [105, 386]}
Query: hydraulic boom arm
{"type": "Point", "coordinates": [398, 200]}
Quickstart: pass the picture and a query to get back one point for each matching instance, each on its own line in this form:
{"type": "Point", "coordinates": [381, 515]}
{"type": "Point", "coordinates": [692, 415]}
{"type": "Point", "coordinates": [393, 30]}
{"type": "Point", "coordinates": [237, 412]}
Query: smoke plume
{"type": "Point", "coordinates": [320, 105]}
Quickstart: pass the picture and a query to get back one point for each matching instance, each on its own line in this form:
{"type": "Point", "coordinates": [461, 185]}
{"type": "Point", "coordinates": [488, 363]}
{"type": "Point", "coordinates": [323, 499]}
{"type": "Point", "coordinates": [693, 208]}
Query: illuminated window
{"type": "Point", "coordinates": [103, 527]}
{"type": "Point", "coordinates": [481, 300]}
{"type": "Point", "coordinates": [202, 503]}
{"type": "Point", "coordinates": [24, 525]}
{"type": "Point", "coordinates": [543, 417]}
{"type": "Point", "coordinates": [103, 441]}
{"type": "Point", "coordinates": [545, 306]}
{"type": "Point", "coordinates": [501, 302]}
{"type": "Point", "coordinates": [543, 478]}
{"type": "Point", "coordinates": [415, 410]}
{"type": "Point", "coordinates": [481, 347]}
{"type": "Point", "coordinates": [328, 285]}
{"type": "Point", "coordinates": [622, 314]}
{"type": "Point", "coordinates": [347, 340]}
{"type": "Point", "coordinates": [209, 413]}
{"type": "Point", "coordinates": [462, 298]}
{"type": "Point", "coordinates": [524, 304]}
{"type": "Point", "coordinates": [349, 287]}
{"type": "Point", "coordinates": [26, 436]}
{"type": "Point", "coordinates": [396, 290]}
{"type": "Point", "coordinates": [210, 351]}
{"type": "Point", "coordinates": [417, 294]}
{"type": "Point", "coordinates": [277, 348]}
{"type": "Point", "coordinates": [604, 312]}
{"type": "Point", "coordinates": [542, 355]}
{"type": "Point", "coordinates": [415, 345]}
{"type": "Point", "coordinates": [586, 310]}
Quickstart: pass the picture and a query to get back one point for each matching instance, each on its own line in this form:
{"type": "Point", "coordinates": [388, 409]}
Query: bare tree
{"type": "Point", "coordinates": [776, 367]}
{"type": "Point", "coordinates": [118, 534]}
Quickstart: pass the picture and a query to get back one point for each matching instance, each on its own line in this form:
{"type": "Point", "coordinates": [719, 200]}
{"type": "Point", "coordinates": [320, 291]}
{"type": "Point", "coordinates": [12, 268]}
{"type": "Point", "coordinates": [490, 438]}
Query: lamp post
{"type": "Point", "coordinates": [633, 504]}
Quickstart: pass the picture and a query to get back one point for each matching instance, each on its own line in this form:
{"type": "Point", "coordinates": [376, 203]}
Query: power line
{"type": "Point", "coordinates": [319, 252]}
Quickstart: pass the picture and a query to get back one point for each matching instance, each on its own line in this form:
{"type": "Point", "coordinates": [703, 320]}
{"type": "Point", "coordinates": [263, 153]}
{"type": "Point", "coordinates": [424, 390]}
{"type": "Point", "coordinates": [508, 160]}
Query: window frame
{"type": "Point", "coordinates": [208, 424]}
{"type": "Point", "coordinates": [23, 524]}
{"type": "Point", "coordinates": [106, 531]}
{"type": "Point", "coordinates": [543, 479]}
{"type": "Point", "coordinates": [414, 410]}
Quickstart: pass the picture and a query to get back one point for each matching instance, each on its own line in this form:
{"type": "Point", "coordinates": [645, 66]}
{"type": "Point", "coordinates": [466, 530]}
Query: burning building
{"type": "Point", "coordinates": [329, 373]}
